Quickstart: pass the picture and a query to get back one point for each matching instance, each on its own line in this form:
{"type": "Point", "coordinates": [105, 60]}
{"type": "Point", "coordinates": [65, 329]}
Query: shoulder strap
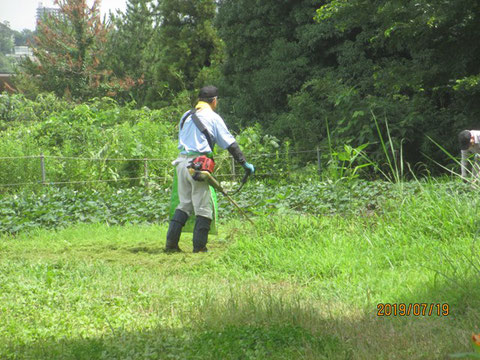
{"type": "Point", "coordinates": [184, 117]}
{"type": "Point", "coordinates": [201, 127]}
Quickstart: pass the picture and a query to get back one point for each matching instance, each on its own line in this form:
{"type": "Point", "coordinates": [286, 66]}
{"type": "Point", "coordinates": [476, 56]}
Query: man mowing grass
{"type": "Point", "coordinates": [200, 129]}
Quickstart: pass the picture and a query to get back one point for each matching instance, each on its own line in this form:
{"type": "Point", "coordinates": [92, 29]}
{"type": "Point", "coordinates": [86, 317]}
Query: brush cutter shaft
{"type": "Point", "coordinates": [239, 208]}
{"type": "Point", "coordinates": [206, 176]}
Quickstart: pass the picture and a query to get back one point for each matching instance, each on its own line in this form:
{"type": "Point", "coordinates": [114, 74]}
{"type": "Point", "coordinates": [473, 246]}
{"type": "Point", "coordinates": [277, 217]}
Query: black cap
{"type": "Point", "coordinates": [208, 92]}
{"type": "Point", "coordinates": [464, 138]}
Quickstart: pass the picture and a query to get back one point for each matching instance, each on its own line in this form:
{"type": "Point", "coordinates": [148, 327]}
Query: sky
{"type": "Point", "coordinates": [21, 13]}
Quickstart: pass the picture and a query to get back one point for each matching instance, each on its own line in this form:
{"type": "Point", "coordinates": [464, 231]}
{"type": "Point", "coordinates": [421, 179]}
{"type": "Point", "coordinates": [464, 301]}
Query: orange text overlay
{"type": "Point", "coordinates": [415, 309]}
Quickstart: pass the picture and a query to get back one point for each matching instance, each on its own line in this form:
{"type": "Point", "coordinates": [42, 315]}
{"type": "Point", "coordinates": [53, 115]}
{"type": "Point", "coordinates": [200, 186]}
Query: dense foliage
{"type": "Point", "coordinates": [128, 45]}
{"type": "Point", "coordinates": [315, 74]}
{"type": "Point", "coordinates": [272, 48]}
{"type": "Point", "coordinates": [100, 144]}
{"type": "Point", "coordinates": [69, 136]}
{"type": "Point", "coordinates": [170, 45]}
{"type": "Point", "coordinates": [395, 60]}
{"type": "Point", "coordinates": [386, 59]}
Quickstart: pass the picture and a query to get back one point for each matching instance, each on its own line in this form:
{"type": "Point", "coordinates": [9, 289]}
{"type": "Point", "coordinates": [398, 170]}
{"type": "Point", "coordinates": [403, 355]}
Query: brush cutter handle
{"type": "Point", "coordinates": [248, 167]}
{"type": "Point", "coordinates": [245, 176]}
{"type": "Point", "coordinates": [249, 170]}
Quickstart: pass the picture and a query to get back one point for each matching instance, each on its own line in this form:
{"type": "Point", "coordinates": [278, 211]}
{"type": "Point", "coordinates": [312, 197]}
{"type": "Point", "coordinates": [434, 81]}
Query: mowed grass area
{"type": "Point", "coordinates": [292, 286]}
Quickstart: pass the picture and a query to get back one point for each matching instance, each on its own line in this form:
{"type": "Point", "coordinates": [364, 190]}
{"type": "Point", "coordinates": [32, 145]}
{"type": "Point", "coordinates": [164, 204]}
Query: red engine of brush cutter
{"type": "Point", "coordinates": [203, 163]}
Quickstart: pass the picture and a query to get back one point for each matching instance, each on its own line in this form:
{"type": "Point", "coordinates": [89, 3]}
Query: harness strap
{"type": "Point", "coordinates": [198, 123]}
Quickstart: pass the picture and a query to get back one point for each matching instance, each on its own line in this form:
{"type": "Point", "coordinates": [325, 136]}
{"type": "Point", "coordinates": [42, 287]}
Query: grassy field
{"type": "Point", "coordinates": [292, 286]}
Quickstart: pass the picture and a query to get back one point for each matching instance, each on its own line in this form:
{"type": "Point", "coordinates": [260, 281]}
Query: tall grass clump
{"type": "Point", "coordinates": [363, 259]}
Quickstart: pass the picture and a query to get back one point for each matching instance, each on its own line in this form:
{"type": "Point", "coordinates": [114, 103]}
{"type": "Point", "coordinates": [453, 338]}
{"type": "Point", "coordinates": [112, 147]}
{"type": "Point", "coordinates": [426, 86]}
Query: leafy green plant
{"type": "Point", "coordinates": [264, 150]}
{"type": "Point", "coordinates": [345, 164]}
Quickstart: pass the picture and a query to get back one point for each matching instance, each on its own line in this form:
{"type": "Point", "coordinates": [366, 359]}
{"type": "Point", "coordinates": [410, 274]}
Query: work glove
{"type": "Point", "coordinates": [249, 167]}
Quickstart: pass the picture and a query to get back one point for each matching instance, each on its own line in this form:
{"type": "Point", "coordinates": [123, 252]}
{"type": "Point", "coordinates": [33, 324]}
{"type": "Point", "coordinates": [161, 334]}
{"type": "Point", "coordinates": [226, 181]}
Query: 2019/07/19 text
{"type": "Point", "coordinates": [415, 309]}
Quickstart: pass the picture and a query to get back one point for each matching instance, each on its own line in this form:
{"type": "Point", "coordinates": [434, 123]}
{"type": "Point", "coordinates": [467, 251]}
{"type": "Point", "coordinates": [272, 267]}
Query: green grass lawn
{"type": "Point", "coordinates": [292, 286]}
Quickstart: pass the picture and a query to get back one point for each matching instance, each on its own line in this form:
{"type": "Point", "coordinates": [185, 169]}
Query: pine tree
{"type": "Point", "coordinates": [69, 52]}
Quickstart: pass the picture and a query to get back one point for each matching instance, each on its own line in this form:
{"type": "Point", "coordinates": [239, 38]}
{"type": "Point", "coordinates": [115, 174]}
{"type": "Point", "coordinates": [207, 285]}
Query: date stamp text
{"type": "Point", "coordinates": [415, 309]}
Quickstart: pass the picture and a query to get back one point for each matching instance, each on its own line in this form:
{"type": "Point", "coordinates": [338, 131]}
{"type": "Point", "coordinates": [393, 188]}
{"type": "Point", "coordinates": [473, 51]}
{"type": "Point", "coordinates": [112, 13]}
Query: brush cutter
{"type": "Point", "coordinates": [204, 175]}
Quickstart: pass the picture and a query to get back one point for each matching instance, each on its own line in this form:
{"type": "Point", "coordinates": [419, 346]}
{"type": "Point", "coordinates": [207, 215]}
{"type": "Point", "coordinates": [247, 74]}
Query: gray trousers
{"type": "Point", "coordinates": [194, 195]}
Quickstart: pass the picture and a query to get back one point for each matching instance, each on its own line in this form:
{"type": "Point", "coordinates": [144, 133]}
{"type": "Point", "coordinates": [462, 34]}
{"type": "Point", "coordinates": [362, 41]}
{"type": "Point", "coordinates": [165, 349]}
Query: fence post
{"type": "Point", "coordinates": [145, 171]}
{"type": "Point", "coordinates": [42, 167]}
{"type": "Point", "coordinates": [319, 162]}
{"type": "Point", "coordinates": [287, 156]}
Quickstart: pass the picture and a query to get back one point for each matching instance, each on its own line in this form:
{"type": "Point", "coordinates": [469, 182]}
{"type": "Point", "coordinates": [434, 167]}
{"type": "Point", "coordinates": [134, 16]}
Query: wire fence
{"type": "Point", "coordinates": [280, 153]}
{"type": "Point", "coordinates": [228, 171]}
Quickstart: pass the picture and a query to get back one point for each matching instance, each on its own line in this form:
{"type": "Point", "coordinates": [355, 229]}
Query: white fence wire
{"type": "Point", "coordinates": [146, 176]}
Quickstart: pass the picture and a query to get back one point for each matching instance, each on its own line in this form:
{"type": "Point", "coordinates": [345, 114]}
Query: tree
{"type": "Point", "coordinates": [6, 47]}
{"type": "Point", "coordinates": [183, 49]}
{"type": "Point", "coordinates": [128, 45]}
{"type": "Point", "coordinates": [6, 38]}
{"type": "Point", "coordinates": [396, 57]}
{"type": "Point", "coordinates": [69, 52]}
{"type": "Point", "coordinates": [272, 48]}
{"type": "Point", "coordinates": [170, 45]}
{"type": "Point", "coordinates": [24, 37]}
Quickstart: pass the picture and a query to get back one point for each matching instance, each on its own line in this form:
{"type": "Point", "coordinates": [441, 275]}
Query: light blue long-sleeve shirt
{"type": "Point", "coordinates": [190, 139]}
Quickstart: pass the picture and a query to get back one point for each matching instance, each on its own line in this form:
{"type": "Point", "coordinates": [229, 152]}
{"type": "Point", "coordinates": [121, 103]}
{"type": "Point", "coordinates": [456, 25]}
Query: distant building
{"type": "Point", "coordinates": [20, 52]}
{"type": "Point", "coordinates": [43, 11]}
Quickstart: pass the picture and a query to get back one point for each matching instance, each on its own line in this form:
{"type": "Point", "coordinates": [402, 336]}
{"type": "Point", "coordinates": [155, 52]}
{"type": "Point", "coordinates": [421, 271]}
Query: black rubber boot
{"type": "Point", "coordinates": [200, 234]}
{"type": "Point", "coordinates": [175, 230]}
